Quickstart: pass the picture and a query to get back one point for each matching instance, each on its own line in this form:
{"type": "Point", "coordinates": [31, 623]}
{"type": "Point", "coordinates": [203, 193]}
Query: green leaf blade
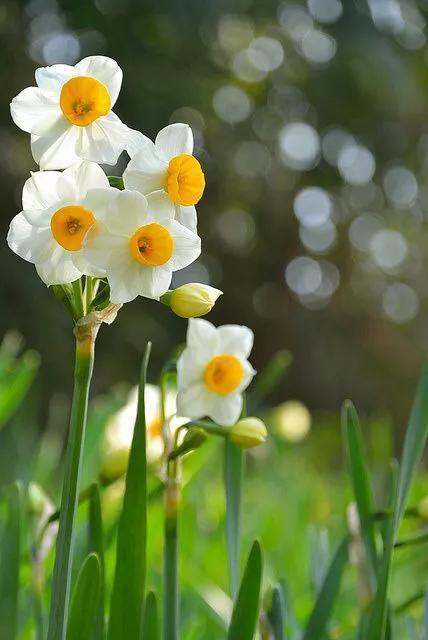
{"type": "Point", "coordinates": [96, 545]}
{"type": "Point", "coordinates": [151, 627]}
{"type": "Point", "coordinates": [361, 484]}
{"type": "Point", "coordinates": [245, 613]}
{"type": "Point", "coordinates": [84, 604]}
{"type": "Point", "coordinates": [277, 613]}
{"type": "Point", "coordinates": [233, 474]}
{"type": "Point", "coordinates": [317, 624]}
{"type": "Point", "coordinates": [127, 599]}
{"type": "Point", "coordinates": [9, 566]}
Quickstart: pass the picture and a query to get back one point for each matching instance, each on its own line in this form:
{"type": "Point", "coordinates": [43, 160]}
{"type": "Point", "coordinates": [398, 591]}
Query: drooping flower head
{"type": "Point", "coordinates": [69, 114]}
{"type": "Point", "coordinates": [168, 166]}
{"type": "Point", "coordinates": [213, 371]}
{"type": "Point", "coordinates": [139, 245]}
{"type": "Point", "coordinates": [58, 210]}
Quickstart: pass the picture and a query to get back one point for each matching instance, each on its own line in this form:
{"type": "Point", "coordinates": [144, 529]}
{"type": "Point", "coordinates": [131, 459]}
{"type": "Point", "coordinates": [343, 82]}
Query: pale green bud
{"type": "Point", "coordinates": [192, 300]}
{"type": "Point", "coordinates": [248, 432]}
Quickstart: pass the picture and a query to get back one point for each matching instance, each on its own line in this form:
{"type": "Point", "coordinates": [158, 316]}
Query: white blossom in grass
{"type": "Point", "coordinates": [58, 210]}
{"type": "Point", "coordinates": [168, 166]}
{"type": "Point", "coordinates": [69, 113]}
{"type": "Point", "coordinates": [139, 245]}
{"type": "Point", "coordinates": [120, 430]}
{"type": "Point", "coordinates": [213, 371]}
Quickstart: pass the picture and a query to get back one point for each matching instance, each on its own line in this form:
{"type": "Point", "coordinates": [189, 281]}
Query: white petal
{"type": "Point", "coordinates": [103, 250]}
{"type": "Point", "coordinates": [187, 245]}
{"type": "Point", "coordinates": [189, 370]}
{"type": "Point", "coordinates": [137, 141]}
{"type": "Point", "coordinates": [125, 282]}
{"type": "Point", "coordinates": [160, 207]}
{"type": "Point", "coordinates": [102, 141]}
{"type": "Point", "coordinates": [32, 108]}
{"type": "Point", "coordinates": [40, 191]}
{"type": "Point", "coordinates": [195, 402]}
{"type": "Point", "coordinates": [146, 172]}
{"type": "Point", "coordinates": [202, 336]}
{"type": "Point", "coordinates": [226, 409]}
{"type": "Point", "coordinates": [27, 241]}
{"type": "Point", "coordinates": [58, 268]}
{"type": "Point", "coordinates": [174, 140]}
{"type": "Point", "coordinates": [56, 153]}
{"type": "Point", "coordinates": [51, 79]}
{"type": "Point", "coordinates": [187, 217]}
{"type": "Point", "coordinates": [235, 339]}
{"type": "Point", "coordinates": [40, 217]}
{"type": "Point", "coordinates": [104, 69]}
{"type": "Point", "coordinates": [80, 261]}
{"type": "Point", "coordinates": [127, 214]}
{"type": "Point", "coordinates": [85, 176]}
{"type": "Point", "coordinates": [160, 281]}
{"type": "Point", "coordinates": [99, 201]}
{"type": "Point", "coordinates": [249, 374]}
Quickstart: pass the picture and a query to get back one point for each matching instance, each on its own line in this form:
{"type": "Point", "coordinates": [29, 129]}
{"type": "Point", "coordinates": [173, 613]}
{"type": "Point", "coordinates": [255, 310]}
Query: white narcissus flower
{"type": "Point", "coordinates": [168, 166]}
{"type": "Point", "coordinates": [213, 371]}
{"type": "Point", "coordinates": [58, 210]}
{"type": "Point", "coordinates": [120, 430]}
{"type": "Point", "coordinates": [139, 245]}
{"type": "Point", "coordinates": [69, 114]}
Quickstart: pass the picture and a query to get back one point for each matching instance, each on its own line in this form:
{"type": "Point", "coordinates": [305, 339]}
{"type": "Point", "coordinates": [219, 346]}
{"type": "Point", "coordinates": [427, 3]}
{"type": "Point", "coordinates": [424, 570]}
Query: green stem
{"type": "Point", "coordinates": [89, 292]}
{"type": "Point", "coordinates": [60, 599]}
{"type": "Point", "coordinates": [171, 622]}
{"type": "Point", "coordinates": [78, 298]}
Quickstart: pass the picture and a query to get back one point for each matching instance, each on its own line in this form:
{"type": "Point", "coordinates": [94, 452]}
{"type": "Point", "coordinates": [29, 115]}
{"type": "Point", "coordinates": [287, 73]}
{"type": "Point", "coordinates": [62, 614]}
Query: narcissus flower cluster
{"type": "Point", "coordinates": [126, 235]}
{"type": "Point", "coordinates": [74, 223]}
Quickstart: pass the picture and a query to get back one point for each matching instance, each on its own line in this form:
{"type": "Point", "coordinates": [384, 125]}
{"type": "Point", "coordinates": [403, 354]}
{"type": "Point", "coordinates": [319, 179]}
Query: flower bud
{"type": "Point", "coordinates": [248, 432]}
{"type": "Point", "coordinates": [192, 300]}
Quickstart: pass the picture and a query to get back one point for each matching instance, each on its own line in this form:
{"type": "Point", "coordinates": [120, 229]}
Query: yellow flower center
{"type": "Point", "coordinates": [154, 428]}
{"type": "Point", "coordinates": [185, 181]}
{"type": "Point", "coordinates": [223, 374]}
{"type": "Point", "coordinates": [83, 100]}
{"type": "Point", "coordinates": [152, 245]}
{"type": "Point", "coordinates": [69, 226]}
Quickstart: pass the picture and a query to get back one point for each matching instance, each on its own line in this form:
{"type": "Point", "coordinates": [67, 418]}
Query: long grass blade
{"type": "Point", "coordinates": [233, 474]}
{"type": "Point", "coordinates": [151, 627]}
{"type": "Point", "coordinates": [414, 444]}
{"type": "Point", "coordinates": [84, 604]}
{"type": "Point", "coordinates": [96, 545]}
{"type": "Point", "coordinates": [127, 599]}
{"type": "Point", "coordinates": [378, 618]}
{"type": "Point", "coordinates": [277, 613]}
{"type": "Point", "coordinates": [245, 613]}
{"type": "Point", "coordinates": [321, 613]}
{"type": "Point", "coordinates": [361, 484]}
{"type": "Point", "coordinates": [9, 566]}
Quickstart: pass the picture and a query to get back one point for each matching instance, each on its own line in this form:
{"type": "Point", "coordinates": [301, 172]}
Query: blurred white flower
{"type": "Point", "coordinates": [292, 421]}
{"type": "Point", "coordinates": [69, 113]}
{"type": "Point", "coordinates": [213, 371]}
{"type": "Point", "coordinates": [120, 430]}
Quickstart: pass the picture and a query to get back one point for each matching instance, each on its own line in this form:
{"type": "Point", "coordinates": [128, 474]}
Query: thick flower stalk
{"type": "Point", "coordinates": [61, 584]}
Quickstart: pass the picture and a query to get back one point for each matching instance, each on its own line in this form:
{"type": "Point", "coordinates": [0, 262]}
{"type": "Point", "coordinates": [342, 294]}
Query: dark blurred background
{"type": "Point", "coordinates": [310, 119]}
